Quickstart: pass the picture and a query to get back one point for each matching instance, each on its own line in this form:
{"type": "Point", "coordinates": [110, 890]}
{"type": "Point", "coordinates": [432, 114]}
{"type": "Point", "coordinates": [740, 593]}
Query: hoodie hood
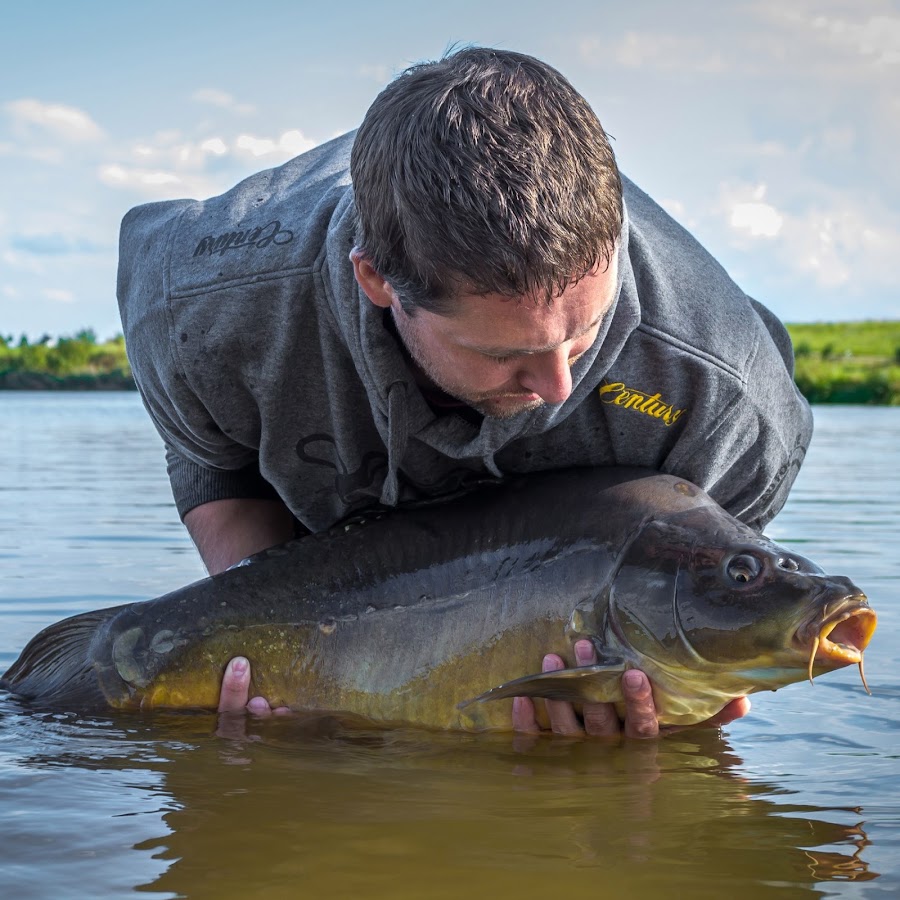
{"type": "Point", "coordinates": [400, 411]}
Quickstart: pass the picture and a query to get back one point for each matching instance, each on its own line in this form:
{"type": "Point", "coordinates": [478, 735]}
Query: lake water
{"type": "Point", "coordinates": [799, 799]}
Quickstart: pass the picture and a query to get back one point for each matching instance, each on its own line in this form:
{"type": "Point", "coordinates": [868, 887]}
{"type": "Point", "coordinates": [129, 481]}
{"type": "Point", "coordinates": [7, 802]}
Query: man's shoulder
{"type": "Point", "coordinates": [274, 223]}
{"type": "Point", "coordinates": [687, 299]}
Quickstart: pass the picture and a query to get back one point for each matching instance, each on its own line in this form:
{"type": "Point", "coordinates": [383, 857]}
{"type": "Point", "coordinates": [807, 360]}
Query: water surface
{"type": "Point", "coordinates": [800, 799]}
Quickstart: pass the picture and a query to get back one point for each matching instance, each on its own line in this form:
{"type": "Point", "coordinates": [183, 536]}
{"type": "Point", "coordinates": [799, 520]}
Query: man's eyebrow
{"type": "Point", "coordinates": [531, 351]}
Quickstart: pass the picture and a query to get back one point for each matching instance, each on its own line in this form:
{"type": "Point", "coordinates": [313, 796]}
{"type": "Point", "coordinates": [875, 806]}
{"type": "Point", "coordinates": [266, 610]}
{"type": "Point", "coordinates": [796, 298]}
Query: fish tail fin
{"type": "Point", "coordinates": [56, 666]}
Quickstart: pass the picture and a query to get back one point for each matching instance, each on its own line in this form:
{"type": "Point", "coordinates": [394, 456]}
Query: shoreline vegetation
{"type": "Point", "coordinates": [836, 362]}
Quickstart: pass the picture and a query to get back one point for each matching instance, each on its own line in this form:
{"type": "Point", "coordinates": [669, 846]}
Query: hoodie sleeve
{"type": "Point", "coordinates": [203, 463]}
{"type": "Point", "coordinates": [194, 485]}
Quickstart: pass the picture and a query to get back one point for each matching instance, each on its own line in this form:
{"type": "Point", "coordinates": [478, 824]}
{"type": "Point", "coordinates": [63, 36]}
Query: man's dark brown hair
{"type": "Point", "coordinates": [483, 172]}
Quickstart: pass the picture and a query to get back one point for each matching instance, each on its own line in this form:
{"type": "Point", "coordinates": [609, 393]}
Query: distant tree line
{"type": "Point", "coordinates": [836, 362]}
{"type": "Point", "coordinates": [67, 363]}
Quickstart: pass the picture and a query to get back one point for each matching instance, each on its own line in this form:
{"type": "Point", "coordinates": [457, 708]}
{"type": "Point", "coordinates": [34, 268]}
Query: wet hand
{"type": "Point", "coordinates": [234, 695]}
{"type": "Point", "coordinates": [601, 719]}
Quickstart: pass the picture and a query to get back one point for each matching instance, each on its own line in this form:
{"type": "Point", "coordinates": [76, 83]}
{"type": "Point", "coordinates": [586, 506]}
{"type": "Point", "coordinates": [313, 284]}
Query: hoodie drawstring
{"type": "Point", "coordinates": [398, 435]}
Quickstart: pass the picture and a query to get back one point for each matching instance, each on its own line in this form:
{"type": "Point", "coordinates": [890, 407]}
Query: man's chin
{"type": "Point", "coordinates": [506, 407]}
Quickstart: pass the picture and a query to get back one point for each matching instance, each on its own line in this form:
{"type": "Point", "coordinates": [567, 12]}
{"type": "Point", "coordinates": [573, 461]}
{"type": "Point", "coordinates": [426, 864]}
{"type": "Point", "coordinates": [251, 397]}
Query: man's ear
{"type": "Point", "coordinates": [373, 285]}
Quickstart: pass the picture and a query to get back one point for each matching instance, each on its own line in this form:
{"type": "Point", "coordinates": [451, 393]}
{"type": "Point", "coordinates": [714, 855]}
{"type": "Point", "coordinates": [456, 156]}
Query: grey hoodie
{"type": "Point", "coordinates": [269, 373]}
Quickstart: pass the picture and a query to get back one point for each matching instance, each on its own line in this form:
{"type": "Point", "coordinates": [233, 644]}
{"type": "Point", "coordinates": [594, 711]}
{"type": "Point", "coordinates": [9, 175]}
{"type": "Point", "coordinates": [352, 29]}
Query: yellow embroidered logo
{"type": "Point", "coordinates": [653, 405]}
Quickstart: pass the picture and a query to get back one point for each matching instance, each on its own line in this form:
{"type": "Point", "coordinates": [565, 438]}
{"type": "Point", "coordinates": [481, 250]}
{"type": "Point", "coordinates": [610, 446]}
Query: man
{"type": "Point", "coordinates": [464, 290]}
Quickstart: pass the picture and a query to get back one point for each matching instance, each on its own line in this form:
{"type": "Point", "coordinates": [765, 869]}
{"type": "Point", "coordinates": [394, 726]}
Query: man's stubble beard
{"type": "Point", "coordinates": [480, 404]}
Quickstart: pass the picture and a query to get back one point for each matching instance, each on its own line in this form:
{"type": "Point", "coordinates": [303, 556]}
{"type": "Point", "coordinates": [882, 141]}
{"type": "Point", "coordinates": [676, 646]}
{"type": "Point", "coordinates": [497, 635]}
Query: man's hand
{"type": "Point", "coordinates": [234, 697]}
{"type": "Point", "coordinates": [601, 719]}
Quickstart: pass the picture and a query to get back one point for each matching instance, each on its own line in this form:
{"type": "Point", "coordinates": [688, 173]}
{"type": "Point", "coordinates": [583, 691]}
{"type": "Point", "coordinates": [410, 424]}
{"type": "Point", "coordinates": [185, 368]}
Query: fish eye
{"type": "Point", "coordinates": [743, 568]}
{"type": "Point", "coordinates": [790, 565]}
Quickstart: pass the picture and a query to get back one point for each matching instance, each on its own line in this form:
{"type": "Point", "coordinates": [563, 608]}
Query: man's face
{"type": "Point", "coordinates": [502, 355]}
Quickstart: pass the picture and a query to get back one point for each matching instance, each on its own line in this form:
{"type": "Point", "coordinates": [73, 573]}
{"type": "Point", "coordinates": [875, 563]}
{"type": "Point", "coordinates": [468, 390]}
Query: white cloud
{"type": "Point", "coordinates": [839, 240]}
{"type": "Point", "coordinates": [800, 39]}
{"type": "Point", "coordinates": [215, 145]}
{"type": "Point", "coordinates": [66, 122]}
{"type": "Point", "coordinates": [842, 245]}
{"type": "Point", "coordinates": [756, 218]}
{"type": "Point", "coordinates": [169, 150]}
{"type": "Point", "coordinates": [291, 143]}
{"type": "Point", "coordinates": [853, 39]}
{"type": "Point", "coordinates": [59, 295]}
{"type": "Point", "coordinates": [747, 212]}
{"type": "Point", "coordinates": [294, 142]}
{"type": "Point", "coordinates": [167, 165]}
{"type": "Point", "coordinates": [877, 38]}
{"type": "Point", "coordinates": [221, 99]}
{"type": "Point", "coordinates": [9, 290]}
{"type": "Point", "coordinates": [255, 146]}
{"type": "Point", "coordinates": [117, 175]}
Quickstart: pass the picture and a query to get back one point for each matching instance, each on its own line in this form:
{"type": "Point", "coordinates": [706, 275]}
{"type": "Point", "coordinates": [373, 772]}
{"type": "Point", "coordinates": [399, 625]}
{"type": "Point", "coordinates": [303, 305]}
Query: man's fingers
{"type": "Point", "coordinates": [561, 714]}
{"type": "Point", "coordinates": [234, 698]}
{"type": "Point", "coordinates": [640, 712]}
{"type": "Point", "coordinates": [735, 709]}
{"type": "Point", "coordinates": [524, 719]}
{"type": "Point", "coordinates": [600, 719]}
{"type": "Point", "coordinates": [259, 706]}
{"type": "Point", "coordinates": [235, 686]}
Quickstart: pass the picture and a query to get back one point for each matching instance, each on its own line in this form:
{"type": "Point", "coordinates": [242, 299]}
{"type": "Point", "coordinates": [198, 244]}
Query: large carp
{"type": "Point", "coordinates": [400, 616]}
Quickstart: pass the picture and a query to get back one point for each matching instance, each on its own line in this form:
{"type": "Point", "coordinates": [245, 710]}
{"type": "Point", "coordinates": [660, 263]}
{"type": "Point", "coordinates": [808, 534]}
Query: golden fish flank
{"type": "Point", "coordinates": [617, 394]}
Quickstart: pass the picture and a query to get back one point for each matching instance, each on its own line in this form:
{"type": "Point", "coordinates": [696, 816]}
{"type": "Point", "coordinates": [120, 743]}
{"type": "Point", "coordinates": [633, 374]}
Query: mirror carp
{"type": "Point", "coordinates": [417, 616]}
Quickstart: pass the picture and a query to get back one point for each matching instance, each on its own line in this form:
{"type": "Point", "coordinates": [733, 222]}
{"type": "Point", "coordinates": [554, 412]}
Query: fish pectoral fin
{"type": "Point", "coordinates": [586, 684]}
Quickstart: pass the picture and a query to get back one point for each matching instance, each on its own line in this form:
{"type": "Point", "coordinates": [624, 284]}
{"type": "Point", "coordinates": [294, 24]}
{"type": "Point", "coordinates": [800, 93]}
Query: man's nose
{"type": "Point", "coordinates": [548, 375]}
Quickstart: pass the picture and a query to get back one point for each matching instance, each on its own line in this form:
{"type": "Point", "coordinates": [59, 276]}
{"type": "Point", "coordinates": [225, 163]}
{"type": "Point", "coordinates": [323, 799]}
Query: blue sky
{"type": "Point", "coordinates": [769, 128]}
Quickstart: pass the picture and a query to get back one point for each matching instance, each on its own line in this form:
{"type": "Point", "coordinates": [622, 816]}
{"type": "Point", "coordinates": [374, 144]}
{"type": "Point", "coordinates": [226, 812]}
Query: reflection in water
{"type": "Point", "coordinates": [827, 866]}
{"type": "Point", "coordinates": [313, 809]}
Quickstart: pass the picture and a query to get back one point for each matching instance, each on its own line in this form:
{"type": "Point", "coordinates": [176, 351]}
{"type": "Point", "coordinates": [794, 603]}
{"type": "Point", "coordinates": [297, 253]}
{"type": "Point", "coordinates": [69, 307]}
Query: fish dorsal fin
{"type": "Point", "coordinates": [586, 684]}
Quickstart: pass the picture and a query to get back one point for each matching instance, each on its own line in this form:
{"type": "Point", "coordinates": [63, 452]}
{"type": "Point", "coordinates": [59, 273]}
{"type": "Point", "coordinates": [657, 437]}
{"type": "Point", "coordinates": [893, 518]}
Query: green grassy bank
{"type": "Point", "coordinates": [848, 362]}
{"type": "Point", "coordinates": [837, 362]}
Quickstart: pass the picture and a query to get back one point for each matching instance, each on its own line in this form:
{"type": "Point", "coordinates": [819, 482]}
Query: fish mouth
{"type": "Point", "coordinates": [840, 637]}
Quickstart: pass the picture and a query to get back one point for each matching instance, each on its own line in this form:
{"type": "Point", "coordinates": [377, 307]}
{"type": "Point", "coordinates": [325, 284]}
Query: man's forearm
{"type": "Point", "coordinates": [227, 531]}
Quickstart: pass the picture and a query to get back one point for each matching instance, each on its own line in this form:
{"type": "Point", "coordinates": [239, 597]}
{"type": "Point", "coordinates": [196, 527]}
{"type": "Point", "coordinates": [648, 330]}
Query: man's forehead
{"type": "Point", "coordinates": [506, 326]}
{"type": "Point", "coordinates": [505, 349]}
